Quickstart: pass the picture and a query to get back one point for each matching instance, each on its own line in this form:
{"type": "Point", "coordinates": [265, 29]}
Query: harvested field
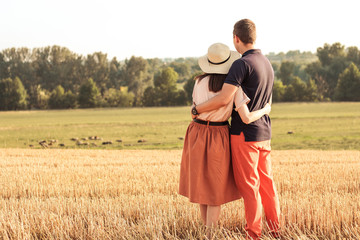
{"type": "Point", "coordinates": [132, 194]}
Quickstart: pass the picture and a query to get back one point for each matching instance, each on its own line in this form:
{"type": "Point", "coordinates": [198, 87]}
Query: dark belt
{"type": "Point", "coordinates": [211, 123]}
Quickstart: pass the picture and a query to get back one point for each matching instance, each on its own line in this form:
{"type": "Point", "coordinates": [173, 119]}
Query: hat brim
{"type": "Point", "coordinates": [223, 68]}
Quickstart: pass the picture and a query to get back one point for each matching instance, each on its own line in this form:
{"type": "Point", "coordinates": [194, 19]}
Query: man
{"type": "Point", "coordinates": [250, 143]}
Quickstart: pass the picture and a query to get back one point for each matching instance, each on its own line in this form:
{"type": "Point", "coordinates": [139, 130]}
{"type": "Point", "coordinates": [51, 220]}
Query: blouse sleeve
{"type": "Point", "coordinates": [240, 99]}
{"type": "Point", "coordinates": [194, 91]}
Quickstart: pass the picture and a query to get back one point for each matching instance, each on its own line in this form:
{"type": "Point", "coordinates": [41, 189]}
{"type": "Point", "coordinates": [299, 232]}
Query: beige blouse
{"type": "Point", "coordinates": [201, 94]}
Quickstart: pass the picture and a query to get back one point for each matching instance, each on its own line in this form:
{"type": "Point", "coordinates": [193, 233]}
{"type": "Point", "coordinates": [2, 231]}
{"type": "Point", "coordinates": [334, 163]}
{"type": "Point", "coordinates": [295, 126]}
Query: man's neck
{"type": "Point", "coordinates": [248, 47]}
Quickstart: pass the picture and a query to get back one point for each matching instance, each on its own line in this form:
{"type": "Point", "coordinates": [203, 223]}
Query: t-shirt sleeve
{"type": "Point", "coordinates": [236, 73]}
{"type": "Point", "coordinates": [240, 99]}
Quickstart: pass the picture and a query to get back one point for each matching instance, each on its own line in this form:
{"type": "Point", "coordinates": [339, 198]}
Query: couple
{"type": "Point", "coordinates": [210, 174]}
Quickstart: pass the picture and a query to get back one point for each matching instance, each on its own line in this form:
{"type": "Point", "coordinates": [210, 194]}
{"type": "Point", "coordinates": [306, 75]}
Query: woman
{"type": "Point", "coordinates": [206, 175]}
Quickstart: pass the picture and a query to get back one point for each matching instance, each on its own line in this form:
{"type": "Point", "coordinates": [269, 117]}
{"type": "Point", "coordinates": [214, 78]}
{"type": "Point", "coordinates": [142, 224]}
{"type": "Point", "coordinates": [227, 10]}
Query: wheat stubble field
{"type": "Point", "coordinates": [132, 194]}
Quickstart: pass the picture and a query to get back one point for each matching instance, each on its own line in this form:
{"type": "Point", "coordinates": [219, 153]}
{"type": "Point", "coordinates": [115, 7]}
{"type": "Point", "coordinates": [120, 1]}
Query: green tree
{"type": "Point", "coordinates": [165, 85]}
{"type": "Point", "coordinates": [20, 94]}
{"type": "Point", "coordinates": [348, 87]}
{"type": "Point", "coordinates": [135, 75]}
{"type": "Point", "coordinates": [12, 94]}
{"type": "Point", "coordinates": [119, 97]}
{"type": "Point", "coordinates": [295, 91]}
{"type": "Point", "coordinates": [299, 91]}
{"type": "Point", "coordinates": [312, 92]}
{"type": "Point", "coordinates": [290, 94]}
{"type": "Point", "coordinates": [325, 72]}
{"type": "Point", "coordinates": [69, 100]}
{"type": "Point", "coordinates": [328, 53]}
{"type": "Point", "coordinates": [18, 63]}
{"type": "Point", "coordinates": [73, 73]}
{"type": "Point", "coordinates": [166, 79]}
{"type": "Point", "coordinates": [154, 65]}
{"type": "Point", "coordinates": [183, 70]}
{"type": "Point", "coordinates": [61, 100]}
{"type": "Point", "coordinates": [180, 98]}
{"type": "Point", "coordinates": [353, 55]}
{"type": "Point", "coordinates": [114, 74]}
{"type": "Point", "coordinates": [276, 67]}
{"type": "Point", "coordinates": [164, 92]}
{"type": "Point", "coordinates": [38, 97]}
{"type": "Point", "coordinates": [278, 91]}
{"type": "Point", "coordinates": [285, 73]}
{"type": "Point", "coordinates": [55, 65]}
{"type": "Point", "coordinates": [88, 94]}
{"type": "Point", "coordinates": [56, 100]}
{"type": "Point", "coordinates": [4, 69]}
{"type": "Point", "coordinates": [151, 97]}
{"type": "Point", "coordinates": [97, 68]}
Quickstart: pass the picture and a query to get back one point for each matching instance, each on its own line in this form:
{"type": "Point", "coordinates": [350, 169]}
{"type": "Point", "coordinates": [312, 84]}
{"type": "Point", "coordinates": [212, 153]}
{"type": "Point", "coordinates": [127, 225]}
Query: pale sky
{"type": "Point", "coordinates": [173, 29]}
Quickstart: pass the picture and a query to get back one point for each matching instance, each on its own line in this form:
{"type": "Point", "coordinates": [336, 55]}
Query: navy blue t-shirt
{"type": "Point", "coordinates": [254, 73]}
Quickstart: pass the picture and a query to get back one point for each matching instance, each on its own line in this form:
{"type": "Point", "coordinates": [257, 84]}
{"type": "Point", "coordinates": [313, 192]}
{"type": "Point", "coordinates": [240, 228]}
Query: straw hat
{"type": "Point", "coordinates": [218, 59]}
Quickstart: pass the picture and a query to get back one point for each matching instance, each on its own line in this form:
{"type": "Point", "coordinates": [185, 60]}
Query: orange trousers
{"type": "Point", "coordinates": [253, 176]}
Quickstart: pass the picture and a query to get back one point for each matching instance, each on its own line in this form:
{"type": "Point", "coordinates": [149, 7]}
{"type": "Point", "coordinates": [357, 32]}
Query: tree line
{"type": "Point", "coordinates": [54, 77]}
{"type": "Point", "coordinates": [333, 76]}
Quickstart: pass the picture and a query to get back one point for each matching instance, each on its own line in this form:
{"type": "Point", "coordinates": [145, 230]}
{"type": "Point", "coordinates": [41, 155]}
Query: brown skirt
{"type": "Point", "coordinates": [206, 173]}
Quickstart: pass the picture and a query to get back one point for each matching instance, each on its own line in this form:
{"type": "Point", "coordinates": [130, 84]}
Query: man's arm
{"type": "Point", "coordinates": [220, 100]}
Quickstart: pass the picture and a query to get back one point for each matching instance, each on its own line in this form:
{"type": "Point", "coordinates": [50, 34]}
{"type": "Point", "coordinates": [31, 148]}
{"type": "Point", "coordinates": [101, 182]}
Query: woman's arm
{"type": "Point", "coordinates": [249, 117]}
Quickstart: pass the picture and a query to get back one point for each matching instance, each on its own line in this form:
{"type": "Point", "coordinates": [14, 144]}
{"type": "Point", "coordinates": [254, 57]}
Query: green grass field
{"type": "Point", "coordinates": [324, 126]}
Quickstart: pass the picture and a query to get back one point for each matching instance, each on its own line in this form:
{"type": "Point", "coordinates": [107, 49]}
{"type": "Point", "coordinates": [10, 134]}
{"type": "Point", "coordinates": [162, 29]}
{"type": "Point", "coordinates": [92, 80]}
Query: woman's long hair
{"type": "Point", "coordinates": [216, 81]}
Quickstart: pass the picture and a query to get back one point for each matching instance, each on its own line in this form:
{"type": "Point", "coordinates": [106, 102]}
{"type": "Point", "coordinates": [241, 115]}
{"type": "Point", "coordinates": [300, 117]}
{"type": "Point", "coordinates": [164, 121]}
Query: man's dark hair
{"type": "Point", "coordinates": [245, 29]}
